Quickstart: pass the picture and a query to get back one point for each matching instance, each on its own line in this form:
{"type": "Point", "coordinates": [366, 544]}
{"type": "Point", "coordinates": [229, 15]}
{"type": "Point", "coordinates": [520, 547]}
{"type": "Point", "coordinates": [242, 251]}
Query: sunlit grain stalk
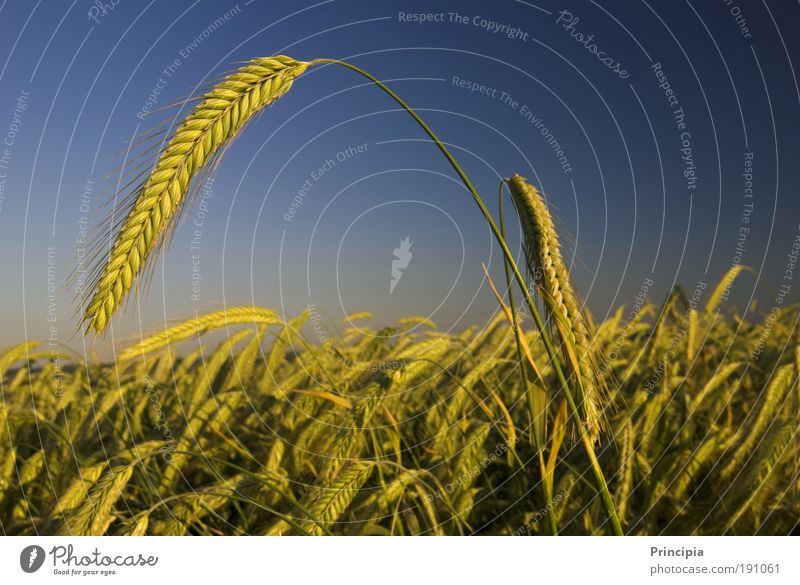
{"type": "Point", "coordinates": [195, 327]}
{"type": "Point", "coordinates": [543, 252]}
{"type": "Point", "coordinates": [214, 122]}
{"type": "Point", "coordinates": [537, 411]}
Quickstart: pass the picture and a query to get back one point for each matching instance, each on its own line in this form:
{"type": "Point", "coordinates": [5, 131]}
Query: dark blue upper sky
{"type": "Point", "coordinates": [663, 134]}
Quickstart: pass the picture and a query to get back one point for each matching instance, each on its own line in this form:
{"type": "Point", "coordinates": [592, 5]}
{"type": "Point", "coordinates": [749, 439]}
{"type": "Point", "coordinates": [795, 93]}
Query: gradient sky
{"type": "Point", "coordinates": [74, 79]}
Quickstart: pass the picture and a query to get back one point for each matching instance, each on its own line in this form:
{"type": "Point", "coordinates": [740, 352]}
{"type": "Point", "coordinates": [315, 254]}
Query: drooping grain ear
{"type": "Point", "coordinates": [158, 200]}
{"type": "Point", "coordinates": [545, 262]}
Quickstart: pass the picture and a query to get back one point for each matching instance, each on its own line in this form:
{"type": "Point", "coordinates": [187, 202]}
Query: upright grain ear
{"type": "Point", "coordinates": [157, 201]}
{"type": "Point", "coordinates": [545, 262]}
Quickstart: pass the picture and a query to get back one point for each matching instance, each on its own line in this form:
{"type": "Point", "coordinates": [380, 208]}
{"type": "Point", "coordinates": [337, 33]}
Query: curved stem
{"type": "Point", "coordinates": [603, 487]}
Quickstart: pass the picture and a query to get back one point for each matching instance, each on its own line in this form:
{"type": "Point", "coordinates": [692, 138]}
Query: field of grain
{"type": "Point", "coordinates": [413, 433]}
{"type": "Point", "coordinates": [667, 418]}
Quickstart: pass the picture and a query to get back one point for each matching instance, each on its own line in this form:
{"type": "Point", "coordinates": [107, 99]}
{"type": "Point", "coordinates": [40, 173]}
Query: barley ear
{"type": "Point", "coordinates": [156, 204]}
{"type": "Point", "coordinates": [199, 325]}
{"type": "Point", "coordinates": [543, 254]}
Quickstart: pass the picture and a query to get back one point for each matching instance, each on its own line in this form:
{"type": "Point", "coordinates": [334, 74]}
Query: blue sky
{"type": "Point", "coordinates": [641, 151]}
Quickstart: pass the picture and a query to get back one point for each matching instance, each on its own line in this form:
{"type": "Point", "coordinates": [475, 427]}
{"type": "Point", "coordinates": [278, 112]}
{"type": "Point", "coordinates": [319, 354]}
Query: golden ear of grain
{"type": "Point", "coordinates": [723, 288]}
{"type": "Point", "coordinates": [135, 526]}
{"type": "Point", "coordinates": [14, 354]}
{"type": "Point", "coordinates": [215, 121]}
{"type": "Point", "coordinates": [328, 503]}
{"type": "Point", "coordinates": [198, 326]}
{"type": "Point", "coordinates": [96, 513]}
{"type": "Point", "coordinates": [543, 253]}
{"type": "Point", "coordinates": [751, 434]}
{"type": "Point", "coordinates": [78, 490]}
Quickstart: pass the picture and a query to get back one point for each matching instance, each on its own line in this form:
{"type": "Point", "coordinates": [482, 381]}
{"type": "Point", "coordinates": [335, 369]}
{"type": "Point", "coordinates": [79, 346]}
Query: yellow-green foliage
{"type": "Point", "coordinates": [402, 431]}
{"type": "Point", "coordinates": [269, 433]}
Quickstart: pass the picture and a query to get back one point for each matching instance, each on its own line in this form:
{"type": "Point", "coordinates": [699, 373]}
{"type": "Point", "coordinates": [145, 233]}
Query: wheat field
{"type": "Point", "coordinates": [678, 417]}
{"type": "Point", "coordinates": [417, 433]}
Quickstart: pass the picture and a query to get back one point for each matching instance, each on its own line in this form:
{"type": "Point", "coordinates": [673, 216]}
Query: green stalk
{"type": "Point", "coordinates": [587, 442]}
{"type": "Point", "coordinates": [537, 443]}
